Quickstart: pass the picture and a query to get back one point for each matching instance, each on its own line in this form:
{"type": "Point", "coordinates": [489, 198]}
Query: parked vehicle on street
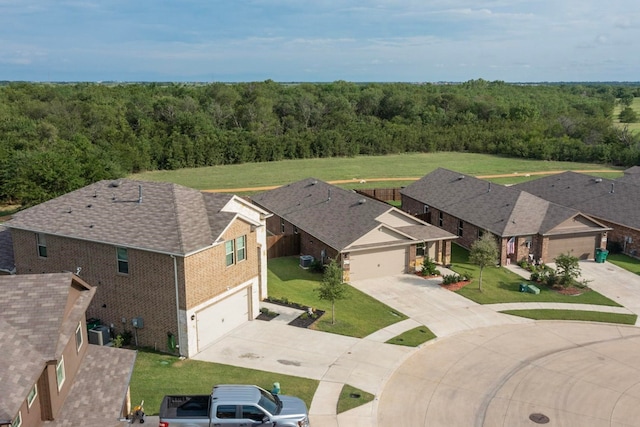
{"type": "Point", "coordinates": [231, 405]}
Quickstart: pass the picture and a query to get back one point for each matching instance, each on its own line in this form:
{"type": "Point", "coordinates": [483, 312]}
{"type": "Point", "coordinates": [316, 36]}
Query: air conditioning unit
{"type": "Point", "coordinates": [99, 335]}
{"type": "Point", "coordinates": [305, 261]}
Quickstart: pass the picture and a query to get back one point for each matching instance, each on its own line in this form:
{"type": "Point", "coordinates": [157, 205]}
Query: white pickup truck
{"type": "Point", "coordinates": [234, 406]}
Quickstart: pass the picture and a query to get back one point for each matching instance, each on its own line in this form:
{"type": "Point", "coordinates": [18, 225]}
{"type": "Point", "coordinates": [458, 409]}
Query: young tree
{"type": "Point", "coordinates": [484, 252]}
{"type": "Point", "coordinates": [567, 268]}
{"type": "Point", "coordinates": [332, 287]}
{"type": "Point", "coordinates": [628, 115]}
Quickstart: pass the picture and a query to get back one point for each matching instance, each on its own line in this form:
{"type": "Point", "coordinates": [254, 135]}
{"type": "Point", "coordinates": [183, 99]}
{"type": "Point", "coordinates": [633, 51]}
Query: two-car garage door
{"type": "Point", "coordinates": [377, 263]}
{"type": "Point", "coordinates": [579, 246]}
{"type": "Point", "coordinates": [218, 319]}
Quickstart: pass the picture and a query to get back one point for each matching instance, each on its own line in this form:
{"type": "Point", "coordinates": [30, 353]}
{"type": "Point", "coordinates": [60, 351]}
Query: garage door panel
{"type": "Point", "coordinates": [581, 247]}
{"type": "Point", "coordinates": [378, 263]}
{"type": "Point", "coordinates": [222, 317]}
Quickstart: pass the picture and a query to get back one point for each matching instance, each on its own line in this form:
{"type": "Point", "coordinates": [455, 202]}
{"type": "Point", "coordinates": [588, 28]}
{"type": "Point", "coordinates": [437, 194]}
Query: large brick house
{"type": "Point", "coordinates": [175, 268]}
{"type": "Point", "coordinates": [614, 203]}
{"type": "Point", "coordinates": [368, 238]}
{"type": "Point", "coordinates": [48, 370]}
{"type": "Point", "coordinates": [524, 225]}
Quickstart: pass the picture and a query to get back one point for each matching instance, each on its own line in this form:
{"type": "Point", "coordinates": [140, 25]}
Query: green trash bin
{"type": "Point", "coordinates": [601, 255]}
{"type": "Point", "coordinates": [523, 287]}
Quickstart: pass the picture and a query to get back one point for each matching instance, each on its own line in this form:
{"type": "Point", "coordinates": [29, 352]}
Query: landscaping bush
{"type": "Point", "coordinates": [429, 268]}
{"type": "Point", "coordinates": [449, 279]}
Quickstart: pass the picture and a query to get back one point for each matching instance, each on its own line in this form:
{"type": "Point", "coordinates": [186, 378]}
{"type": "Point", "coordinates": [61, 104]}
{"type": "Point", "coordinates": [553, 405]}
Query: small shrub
{"type": "Point", "coordinates": [429, 268]}
{"type": "Point", "coordinates": [118, 341]}
{"type": "Point", "coordinates": [264, 310]}
{"type": "Point", "coordinates": [316, 266]}
{"type": "Point", "coordinates": [127, 338]}
{"type": "Point", "coordinates": [467, 277]}
{"type": "Point", "coordinates": [449, 279]}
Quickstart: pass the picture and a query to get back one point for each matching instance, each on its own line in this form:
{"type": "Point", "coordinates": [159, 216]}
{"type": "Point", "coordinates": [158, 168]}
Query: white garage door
{"type": "Point", "coordinates": [220, 318]}
{"type": "Point", "coordinates": [581, 247]}
{"type": "Point", "coordinates": [378, 263]}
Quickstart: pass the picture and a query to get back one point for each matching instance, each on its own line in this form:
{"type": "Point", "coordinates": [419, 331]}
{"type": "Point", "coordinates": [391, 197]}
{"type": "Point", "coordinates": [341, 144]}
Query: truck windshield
{"type": "Point", "coordinates": [268, 402]}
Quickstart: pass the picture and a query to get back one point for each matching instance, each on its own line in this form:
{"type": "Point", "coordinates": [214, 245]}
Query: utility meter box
{"type": "Point", "coordinates": [137, 322]}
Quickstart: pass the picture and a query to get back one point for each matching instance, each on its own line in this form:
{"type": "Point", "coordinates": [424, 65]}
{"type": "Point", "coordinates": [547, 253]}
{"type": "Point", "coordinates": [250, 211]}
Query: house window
{"type": "Point", "coordinates": [460, 227]}
{"type": "Point", "coordinates": [440, 219]}
{"type": "Point", "coordinates": [42, 245]}
{"type": "Point", "coordinates": [123, 260]}
{"type": "Point", "coordinates": [60, 376]}
{"type": "Point", "coordinates": [229, 248]}
{"type": "Point", "coordinates": [79, 338]}
{"type": "Point", "coordinates": [31, 397]}
{"type": "Point", "coordinates": [420, 249]}
{"type": "Point", "coordinates": [241, 250]}
{"type": "Point", "coordinates": [282, 225]}
{"type": "Point", "coordinates": [17, 422]}
{"type": "Point", "coordinates": [480, 233]}
{"type": "Point", "coordinates": [425, 209]}
{"type": "Point", "coordinates": [295, 230]}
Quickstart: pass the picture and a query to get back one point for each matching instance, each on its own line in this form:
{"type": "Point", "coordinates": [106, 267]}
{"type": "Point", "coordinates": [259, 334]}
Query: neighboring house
{"type": "Point", "coordinates": [175, 268]}
{"type": "Point", "coordinates": [50, 374]}
{"type": "Point", "coordinates": [631, 175]}
{"type": "Point", "coordinates": [368, 238]}
{"type": "Point", "coordinates": [525, 226]}
{"type": "Point", "coordinates": [614, 203]}
{"type": "Point", "coordinates": [6, 252]}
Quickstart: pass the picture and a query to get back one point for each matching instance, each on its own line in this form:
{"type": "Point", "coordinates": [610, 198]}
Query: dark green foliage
{"type": "Point", "coordinates": [332, 288]}
{"type": "Point", "coordinates": [628, 115]}
{"type": "Point", "coordinates": [567, 269]}
{"type": "Point", "coordinates": [58, 137]}
{"type": "Point", "coordinates": [429, 267]}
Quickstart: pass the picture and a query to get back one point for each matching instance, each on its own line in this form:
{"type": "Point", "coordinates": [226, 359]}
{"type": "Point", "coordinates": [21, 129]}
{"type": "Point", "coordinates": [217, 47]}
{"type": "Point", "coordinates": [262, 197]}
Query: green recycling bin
{"type": "Point", "coordinates": [523, 287]}
{"type": "Point", "coordinates": [601, 255]}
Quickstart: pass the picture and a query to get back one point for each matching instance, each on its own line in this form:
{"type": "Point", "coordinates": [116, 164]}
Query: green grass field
{"type": "Point", "coordinates": [583, 316]}
{"type": "Point", "coordinates": [634, 127]}
{"type": "Point", "coordinates": [355, 169]}
{"type": "Point", "coordinates": [357, 316]}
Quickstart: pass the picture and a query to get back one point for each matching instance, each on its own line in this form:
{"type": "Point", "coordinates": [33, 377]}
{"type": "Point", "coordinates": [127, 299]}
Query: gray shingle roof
{"type": "Point", "coordinates": [331, 214]}
{"type": "Point", "coordinates": [504, 211]}
{"type": "Point", "coordinates": [155, 216]}
{"type": "Point", "coordinates": [32, 319]}
{"type": "Point", "coordinates": [612, 200]}
{"type": "Point", "coordinates": [7, 262]}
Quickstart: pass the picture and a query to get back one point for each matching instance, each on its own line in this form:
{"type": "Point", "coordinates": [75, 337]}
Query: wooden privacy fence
{"type": "Point", "coordinates": [382, 194]}
{"type": "Point", "coordinates": [283, 245]}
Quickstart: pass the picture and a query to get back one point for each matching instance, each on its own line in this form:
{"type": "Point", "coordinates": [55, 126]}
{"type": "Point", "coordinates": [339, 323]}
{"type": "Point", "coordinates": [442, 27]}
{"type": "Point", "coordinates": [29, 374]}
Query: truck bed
{"type": "Point", "coordinates": [185, 406]}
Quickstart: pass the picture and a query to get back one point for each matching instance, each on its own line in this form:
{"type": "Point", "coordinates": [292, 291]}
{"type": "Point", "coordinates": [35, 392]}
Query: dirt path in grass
{"type": "Point", "coordinates": [366, 180]}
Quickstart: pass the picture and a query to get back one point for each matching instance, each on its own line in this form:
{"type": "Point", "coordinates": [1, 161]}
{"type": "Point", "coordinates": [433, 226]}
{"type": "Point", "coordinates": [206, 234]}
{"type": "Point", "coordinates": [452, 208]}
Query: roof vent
{"type": "Point", "coordinates": [314, 182]}
{"type": "Point", "coordinates": [460, 177]}
{"type": "Point", "coordinates": [489, 189]}
{"type": "Point", "coordinates": [362, 201]}
{"type": "Point", "coordinates": [598, 179]}
{"type": "Point", "coordinates": [139, 193]}
{"type": "Point", "coordinates": [612, 189]}
{"type": "Point", "coordinates": [114, 184]}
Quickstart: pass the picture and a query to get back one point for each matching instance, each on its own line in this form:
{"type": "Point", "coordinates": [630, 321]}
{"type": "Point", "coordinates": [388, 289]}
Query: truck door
{"type": "Point", "coordinates": [254, 416]}
{"type": "Point", "coordinates": [226, 416]}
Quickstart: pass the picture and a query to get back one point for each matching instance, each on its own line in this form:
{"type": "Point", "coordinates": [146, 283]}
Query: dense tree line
{"type": "Point", "coordinates": [58, 137]}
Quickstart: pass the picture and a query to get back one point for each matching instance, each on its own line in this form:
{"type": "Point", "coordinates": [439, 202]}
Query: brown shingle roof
{"type": "Point", "coordinates": [155, 216]}
{"type": "Point", "coordinates": [331, 214]}
{"type": "Point", "coordinates": [504, 211]}
{"type": "Point", "coordinates": [607, 199]}
{"type": "Point", "coordinates": [32, 319]}
{"type": "Point", "coordinates": [99, 389]}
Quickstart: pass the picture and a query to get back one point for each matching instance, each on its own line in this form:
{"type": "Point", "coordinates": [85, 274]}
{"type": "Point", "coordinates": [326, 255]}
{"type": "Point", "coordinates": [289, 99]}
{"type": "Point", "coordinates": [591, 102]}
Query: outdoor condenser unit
{"type": "Point", "coordinates": [305, 261]}
{"type": "Point", "coordinates": [99, 335]}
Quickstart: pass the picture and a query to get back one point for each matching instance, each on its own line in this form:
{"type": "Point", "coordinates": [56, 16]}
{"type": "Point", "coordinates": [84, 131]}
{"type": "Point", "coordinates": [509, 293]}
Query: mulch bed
{"type": "Point", "coordinates": [304, 320]}
{"type": "Point", "coordinates": [267, 317]}
{"type": "Point", "coordinates": [571, 290]}
{"type": "Point", "coordinates": [456, 286]}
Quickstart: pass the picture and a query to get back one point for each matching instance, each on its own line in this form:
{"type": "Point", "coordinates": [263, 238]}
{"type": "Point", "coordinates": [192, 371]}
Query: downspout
{"type": "Point", "coordinates": [175, 278]}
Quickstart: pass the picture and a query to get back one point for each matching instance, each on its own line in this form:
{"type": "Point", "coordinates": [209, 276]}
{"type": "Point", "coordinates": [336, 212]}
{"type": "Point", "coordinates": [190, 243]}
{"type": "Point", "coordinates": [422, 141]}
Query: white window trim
{"type": "Point", "coordinates": [232, 252]}
{"type": "Point", "coordinates": [244, 248]}
{"type": "Point", "coordinates": [118, 260]}
{"type": "Point", "coordinates": [17, 421]}
{"type": "Point", "coordinates": [32, 398]}
{"type": "Point", "coordinates": [41, 242]}
{"type": "Point", "coordinates": [60, 370]}
{"type": "Point", "coordinates": [79, 344]}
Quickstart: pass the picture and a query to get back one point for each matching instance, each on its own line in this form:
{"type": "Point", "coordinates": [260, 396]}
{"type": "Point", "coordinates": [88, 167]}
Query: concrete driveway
{"type": "Point", "coordinates": [573, 374]}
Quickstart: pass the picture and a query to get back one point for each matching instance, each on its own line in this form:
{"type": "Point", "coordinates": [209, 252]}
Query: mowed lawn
{"type": "Point", "coordinates": [359, 168]}
{"type": "Point", "coordinates": [500, 285]}
{"type": "Point", "coordinates": [357, 316]}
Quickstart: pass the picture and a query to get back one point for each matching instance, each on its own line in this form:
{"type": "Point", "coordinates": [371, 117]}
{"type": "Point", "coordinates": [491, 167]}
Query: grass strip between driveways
{"type": "Point", "coordinates": [357, 316]}
{"type": "Point", "coordinates": [585, 316]}
{"type": "Point", "coordinates": [625, 261]}
{"type": "Point", "coordinates": [156, 375]}
{"type": "Point", "coordinates": [413, 337]}
{"type": "Point", "coordinates": [351, 397]}
{"type": "Point", "coordinates": [499, 285]}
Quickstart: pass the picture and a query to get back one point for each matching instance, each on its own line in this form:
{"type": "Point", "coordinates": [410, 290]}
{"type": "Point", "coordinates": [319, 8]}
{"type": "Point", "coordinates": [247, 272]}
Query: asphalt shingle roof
{"type": "Point", "coordinates": [612, 200]}
{"type": "Point", "coordinates": [504, 211]}
{"type": "Point", "coordinates": [331, 214]}
{"type": "Point", "coordinates": [155, 216]}
{"type": "Point", "coordinates": [32, 319]}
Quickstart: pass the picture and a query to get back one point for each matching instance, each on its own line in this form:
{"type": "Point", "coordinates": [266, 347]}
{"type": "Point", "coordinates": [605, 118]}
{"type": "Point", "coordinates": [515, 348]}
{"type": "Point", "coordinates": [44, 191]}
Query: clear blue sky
{"type": "Point", "coordinates": [319, 40]}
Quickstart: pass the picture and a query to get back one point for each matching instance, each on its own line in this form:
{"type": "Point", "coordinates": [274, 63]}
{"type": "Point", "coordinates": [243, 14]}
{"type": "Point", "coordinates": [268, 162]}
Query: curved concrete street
{"type": "Point", "coordinates": [572, 373]}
